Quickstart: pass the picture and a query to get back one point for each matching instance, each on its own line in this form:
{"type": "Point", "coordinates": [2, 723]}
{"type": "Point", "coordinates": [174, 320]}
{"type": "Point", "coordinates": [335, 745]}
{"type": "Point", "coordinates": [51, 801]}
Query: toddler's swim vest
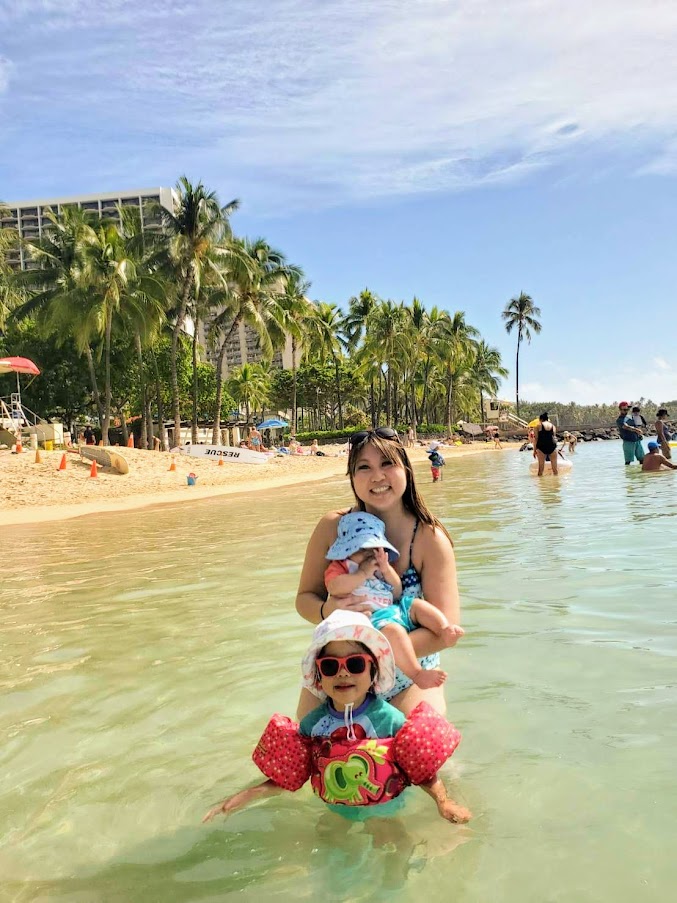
{"type": "Point", "coordinates": [360, 772]}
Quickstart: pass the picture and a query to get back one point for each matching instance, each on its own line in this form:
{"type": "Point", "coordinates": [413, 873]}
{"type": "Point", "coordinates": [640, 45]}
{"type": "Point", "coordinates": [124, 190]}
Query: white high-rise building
{"type": "Point", "coordinates": [29, 219]}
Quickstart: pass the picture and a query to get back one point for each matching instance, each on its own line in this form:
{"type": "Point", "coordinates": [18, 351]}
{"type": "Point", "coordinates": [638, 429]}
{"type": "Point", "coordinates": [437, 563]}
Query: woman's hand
{"type": "Point", "coordinates": [348, 603]}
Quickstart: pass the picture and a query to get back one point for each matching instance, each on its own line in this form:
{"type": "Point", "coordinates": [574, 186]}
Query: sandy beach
{"type": "Point", "coordinates": [33, 493]}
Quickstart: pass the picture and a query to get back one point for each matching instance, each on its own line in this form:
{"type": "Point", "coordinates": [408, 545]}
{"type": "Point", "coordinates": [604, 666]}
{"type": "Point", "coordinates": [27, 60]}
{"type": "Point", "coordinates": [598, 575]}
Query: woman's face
{"type": "Point", "coordinates": [378, 482]}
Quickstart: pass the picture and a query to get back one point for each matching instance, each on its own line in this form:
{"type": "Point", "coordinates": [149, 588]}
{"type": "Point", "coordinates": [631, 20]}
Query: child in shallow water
{"type": "Point", "coordinates": [359, 751]}
{"type": "Point", "coordinates": [361, 565]}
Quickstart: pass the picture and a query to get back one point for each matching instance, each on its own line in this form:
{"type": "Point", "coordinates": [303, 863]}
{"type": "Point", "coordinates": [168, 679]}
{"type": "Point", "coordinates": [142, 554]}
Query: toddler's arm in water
{"type": "Point", "coordinates": [243, 798]}
{"type": "Point", "coordinates": [448, 808]}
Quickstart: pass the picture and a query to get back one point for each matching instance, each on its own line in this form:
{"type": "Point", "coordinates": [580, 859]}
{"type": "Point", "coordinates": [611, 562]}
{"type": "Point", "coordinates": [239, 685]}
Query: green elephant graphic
{"type": "Point", "coordinates": [343, 780]}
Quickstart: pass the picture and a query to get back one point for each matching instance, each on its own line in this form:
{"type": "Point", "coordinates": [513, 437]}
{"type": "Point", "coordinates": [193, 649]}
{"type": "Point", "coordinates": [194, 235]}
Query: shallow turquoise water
{"type": "Point", "coordinates": [143, 652]}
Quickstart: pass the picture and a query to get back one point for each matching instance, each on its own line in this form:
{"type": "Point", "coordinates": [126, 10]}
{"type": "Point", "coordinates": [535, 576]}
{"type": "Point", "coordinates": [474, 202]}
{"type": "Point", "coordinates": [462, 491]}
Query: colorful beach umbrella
{"type": "Point", "coordinates": [535, 421]}
{"type": "Point", "coordinates": [18, 365]}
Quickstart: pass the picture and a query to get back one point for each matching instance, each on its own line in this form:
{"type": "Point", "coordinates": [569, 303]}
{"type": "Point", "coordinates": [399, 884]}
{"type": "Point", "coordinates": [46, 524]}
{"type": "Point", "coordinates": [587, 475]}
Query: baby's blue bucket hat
{"type": "Point", "coordinates": [360, 530]}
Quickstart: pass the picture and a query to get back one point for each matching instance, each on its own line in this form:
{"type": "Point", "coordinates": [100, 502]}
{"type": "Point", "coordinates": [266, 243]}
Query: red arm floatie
{"type": "Point", "coordinates": [283, 754]}
{"type": "Point", "coordinates": [424, 743]}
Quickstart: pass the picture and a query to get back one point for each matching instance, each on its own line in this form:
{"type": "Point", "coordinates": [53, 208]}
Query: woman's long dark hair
{"type": "Point", "coordinates": [394, 451]}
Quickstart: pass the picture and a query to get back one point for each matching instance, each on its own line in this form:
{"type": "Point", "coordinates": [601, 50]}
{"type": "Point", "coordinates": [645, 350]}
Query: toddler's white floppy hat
{"type": "Point", "coordinates": [350, 625]}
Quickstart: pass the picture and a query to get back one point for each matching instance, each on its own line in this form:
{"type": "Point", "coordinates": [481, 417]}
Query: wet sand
{"type": "Point", "coordinates": [33, 493]}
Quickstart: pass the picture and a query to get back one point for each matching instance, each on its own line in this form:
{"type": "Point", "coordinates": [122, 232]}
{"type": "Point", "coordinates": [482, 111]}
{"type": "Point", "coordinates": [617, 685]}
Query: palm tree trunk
{"type": "Point", "coordinates": [371, 404]}
{"type": "Point", "coordinates": [107, 387]}
{"type": "Point", "coordinates": [338, 393]}
{"type": "Point", "coordinates": [176, 334]}
{"type": "Point", "coordinates": [449, 398]}
{"type": "Point", "coordinates": [193, 427]}
{"type": "Point", "coordinates": [388, 398]}
{"type": "Point", "coordinates": [143, 390]}
{"type": "Point", "coordinates": [293, 386]}
{"type": "Point", "coordinates": [160, 406]}
{"type": "Point", "coordinates": [95, 385]}
{"type": "Point", "coordinates": [150, 440]}
{"type": "Point", "coordinates": [216, 431]}
{"type": "Point", "coordinates": [517, 375]}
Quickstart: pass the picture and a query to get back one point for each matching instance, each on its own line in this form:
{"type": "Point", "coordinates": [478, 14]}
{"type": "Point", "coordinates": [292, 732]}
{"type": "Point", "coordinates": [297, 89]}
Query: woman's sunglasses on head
{"type": "Point", "coordinates": [330, 665]}
{"type": "Point", "coordinates": [383, 432]}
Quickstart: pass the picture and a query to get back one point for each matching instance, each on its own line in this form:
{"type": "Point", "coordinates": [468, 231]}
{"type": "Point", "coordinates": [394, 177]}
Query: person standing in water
{"type": "Point", "coordinates": [383, 482]}
{"type": "Point", "coordinates": [546, 444]}
{"type": "Point", "coordinates": [663, 434]}
{"type": "Point", "coordinates": [630, 434]}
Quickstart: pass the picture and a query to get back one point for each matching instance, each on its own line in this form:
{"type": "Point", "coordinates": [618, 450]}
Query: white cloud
{"type": "Point", "coordinates": [590, 387]}
{"type": "Point", "coordinates": [348, 100]}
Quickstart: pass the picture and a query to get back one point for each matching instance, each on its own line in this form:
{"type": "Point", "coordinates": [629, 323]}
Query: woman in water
{"type": "Point", "coordinates": [546, 443]}
{"type": "Point", "coordinates": [663, 433]}
{"type": "Point", "coordinates": [383, 483]}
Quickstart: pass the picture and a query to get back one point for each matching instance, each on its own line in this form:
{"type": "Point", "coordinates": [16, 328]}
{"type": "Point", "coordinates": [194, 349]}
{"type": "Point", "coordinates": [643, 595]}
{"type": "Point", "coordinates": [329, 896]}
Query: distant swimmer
{"type": "Point", "coordinates": [654, 460]}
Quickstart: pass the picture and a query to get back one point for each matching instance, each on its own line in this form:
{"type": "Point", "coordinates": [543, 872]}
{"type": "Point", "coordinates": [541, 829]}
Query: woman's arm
{"type": "Point", "coordinates": [440, 586]}
{"type": "Point", "coordinates": [312, 592]}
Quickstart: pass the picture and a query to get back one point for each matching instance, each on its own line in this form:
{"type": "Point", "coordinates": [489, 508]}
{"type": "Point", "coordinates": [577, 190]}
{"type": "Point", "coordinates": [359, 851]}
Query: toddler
{"type": "Point", "coordinates": [361, 565]}
{"type": "Point", "coordinates": [359, 751]}
{"type": "Point", "coordinates": [437, 461]}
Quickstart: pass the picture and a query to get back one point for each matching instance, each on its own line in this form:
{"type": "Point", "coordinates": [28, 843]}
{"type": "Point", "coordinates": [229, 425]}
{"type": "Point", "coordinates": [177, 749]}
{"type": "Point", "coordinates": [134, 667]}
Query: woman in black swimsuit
{"type": "Point", "coordinates": [383, 482]}
{"type": "Point", "coordinates": [546, 443]}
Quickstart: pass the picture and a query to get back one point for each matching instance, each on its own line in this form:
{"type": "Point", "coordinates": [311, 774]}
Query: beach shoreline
{"type": "Point", "coordinates": [24, 485]}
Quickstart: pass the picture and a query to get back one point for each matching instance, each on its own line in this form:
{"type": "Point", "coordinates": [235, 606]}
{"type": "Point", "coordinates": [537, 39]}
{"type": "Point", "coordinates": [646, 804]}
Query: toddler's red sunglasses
{"type": "Point", "coordinates": [330, 665]}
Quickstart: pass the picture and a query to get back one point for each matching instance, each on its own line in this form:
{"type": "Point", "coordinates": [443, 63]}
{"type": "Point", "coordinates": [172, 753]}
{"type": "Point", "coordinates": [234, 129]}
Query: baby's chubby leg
{"type": "Point", "coordinates": [405, 657]}
{"type": "Point", "coordinates": [425, 614]}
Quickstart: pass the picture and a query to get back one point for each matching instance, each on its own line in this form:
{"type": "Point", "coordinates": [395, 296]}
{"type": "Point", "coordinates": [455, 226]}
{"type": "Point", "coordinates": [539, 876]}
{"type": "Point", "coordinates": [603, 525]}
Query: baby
{"type": "Point", "coordinates": [359, 751]}
{"type": "Point", "coordinates": [361, 565]}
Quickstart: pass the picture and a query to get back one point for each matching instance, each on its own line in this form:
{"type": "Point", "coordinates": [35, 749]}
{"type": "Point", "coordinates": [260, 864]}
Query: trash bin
{"type": "Point", "coordinates": [49, 445]}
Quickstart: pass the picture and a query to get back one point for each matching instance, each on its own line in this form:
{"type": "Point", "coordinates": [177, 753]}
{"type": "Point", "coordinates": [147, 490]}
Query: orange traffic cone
{"type": "Point", "coordinates": [100, 443]}
{"type": "Point", "coordinates": [220, 462]}
{"type": "Point", "coordinates": [19, 446]}
{"type": "Point", "coordinates": [92, 471]}
{"type": "Point", "coordinates": [172, 466]}
{"type": "Point", "coordinates": [38, 459]}
{"type": "Point", "coordinates": [62, 465]}
{"type": "Point", "coordinates": [130, 442]}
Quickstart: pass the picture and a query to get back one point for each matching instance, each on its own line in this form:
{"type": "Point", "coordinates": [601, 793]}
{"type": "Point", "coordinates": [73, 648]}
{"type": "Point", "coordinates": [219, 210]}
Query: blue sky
{"type": "Point", "coordinates": [459, 151]}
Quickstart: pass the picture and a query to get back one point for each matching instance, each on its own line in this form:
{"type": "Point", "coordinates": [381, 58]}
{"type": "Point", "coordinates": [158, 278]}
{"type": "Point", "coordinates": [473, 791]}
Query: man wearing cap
{"type": "Point", "coordinates": [630, 434]}
{"type": "Point", "coordinates": [655, 460]}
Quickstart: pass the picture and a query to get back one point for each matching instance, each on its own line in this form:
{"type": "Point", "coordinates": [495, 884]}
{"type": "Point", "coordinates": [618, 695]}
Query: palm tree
{"type": "Point", "coordinates": [250, 385]}
{"type": "Point", "coordinates": [295, 319]}
{"type": "Point", "coordinates": [486, 368]}
{"type": "Point", "coordinates": [455, 347]}
{"type": "Point", "coordinates": [197, 246]}
{"type": "Point", "coordinates": [385, 342]}
{"type": "Point", "coordinates": [522, 313]}
{"type": "Point", "coordinates": [144, 313]}
{"type": "Point", "coordinates": [9, 241]}
{"type": "Point", "coordinates": [325, 328]}
{"type": "Point", "coordinates": [360, 307]}
{"type": "Point", "coordinates": [256, 277]}
{"type": "Point", "coordinates": [56, 290]}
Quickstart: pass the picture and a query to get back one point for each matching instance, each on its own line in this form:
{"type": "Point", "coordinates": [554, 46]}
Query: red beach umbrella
{"type": "Point", "coordinates": [18, 365]}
